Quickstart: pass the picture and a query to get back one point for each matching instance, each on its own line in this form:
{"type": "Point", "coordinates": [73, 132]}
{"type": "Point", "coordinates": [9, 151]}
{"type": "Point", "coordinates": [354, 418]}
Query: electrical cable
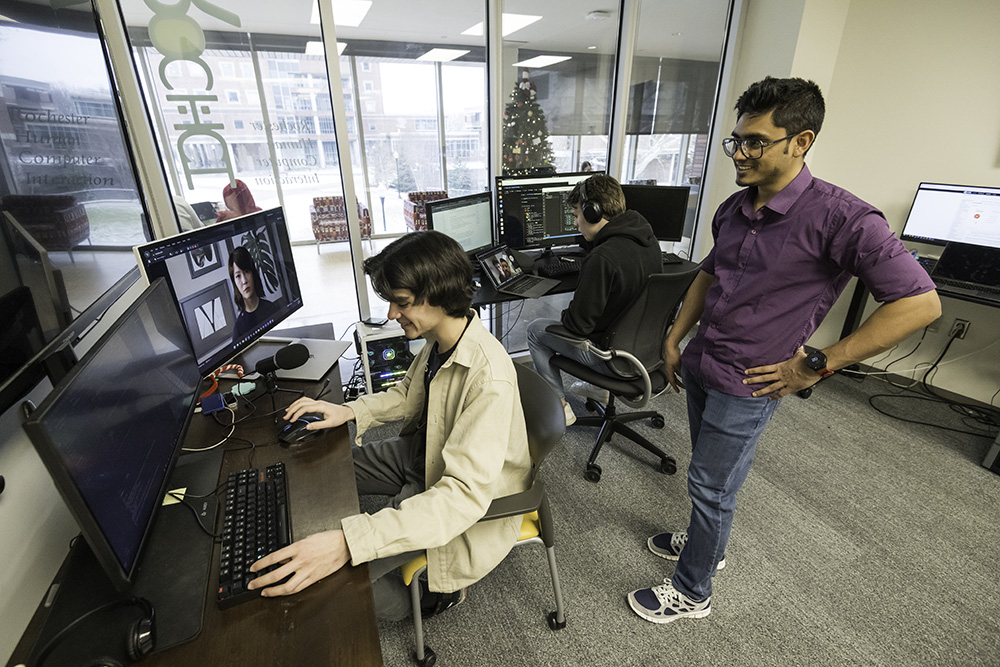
{"type": "Point", "coordinates": [232, 428]}
{"type": "Point", "coordinates": [181, 498]}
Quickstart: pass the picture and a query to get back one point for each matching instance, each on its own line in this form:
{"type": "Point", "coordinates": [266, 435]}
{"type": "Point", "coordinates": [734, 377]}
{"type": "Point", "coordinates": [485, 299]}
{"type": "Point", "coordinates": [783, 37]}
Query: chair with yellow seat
{"type": "Point", "coordinates": [546, 423]}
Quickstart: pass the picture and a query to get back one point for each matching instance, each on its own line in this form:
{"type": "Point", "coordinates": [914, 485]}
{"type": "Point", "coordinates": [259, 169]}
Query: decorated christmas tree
{"type": "Point", "coordinates": [526, 144]}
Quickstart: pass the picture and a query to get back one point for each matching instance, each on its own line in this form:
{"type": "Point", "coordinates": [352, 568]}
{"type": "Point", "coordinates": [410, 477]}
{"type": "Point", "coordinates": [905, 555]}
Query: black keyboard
{"type": "Point", "coordinates": [523, 285]}
{"type": "Point", "coordinates": [963, 284]}
{"type": "Point", "coordinates": [558, 267]}
{"type": "Point", "coordinates": [671, 258]}
{"type": "Point", "coordinates": [255, 523]}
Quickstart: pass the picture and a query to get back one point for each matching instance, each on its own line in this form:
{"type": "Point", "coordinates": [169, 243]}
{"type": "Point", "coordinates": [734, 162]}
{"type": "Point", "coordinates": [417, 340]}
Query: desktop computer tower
{"type": "Point", "coordinates": [385, 354]}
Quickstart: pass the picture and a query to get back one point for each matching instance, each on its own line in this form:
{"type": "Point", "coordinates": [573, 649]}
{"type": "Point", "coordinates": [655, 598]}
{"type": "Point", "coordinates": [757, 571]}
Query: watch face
{"type": "Point", "coordinates": [816, 361]}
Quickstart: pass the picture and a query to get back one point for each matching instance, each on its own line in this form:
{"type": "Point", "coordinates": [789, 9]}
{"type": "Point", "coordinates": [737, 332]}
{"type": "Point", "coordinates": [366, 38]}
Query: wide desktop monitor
{"type": "Point", "coordinates": [961, 213]}
{"type": "Point", "coordinates": [532, 210]}
{"type": "Point", "coordinates": [110, 431]}
{"type": "Point", "coordinates": [468, 220]}
{"type": "Point", "coordinates": [664, 207]}
{"type": "Point", "coordinates": [232, 281]}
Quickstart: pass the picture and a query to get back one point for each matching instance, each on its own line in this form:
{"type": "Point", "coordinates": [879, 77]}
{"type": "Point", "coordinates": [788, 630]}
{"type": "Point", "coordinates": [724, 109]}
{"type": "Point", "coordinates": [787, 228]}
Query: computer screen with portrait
{"type": "Point", "coordinates": [532, 210]}
{"type": "Point", "coordinates": [468, 220]}
{"type": "Point", "coordinates": [233, 282]}
{"type": "Point", "coordinates": [664, 207]}
{"type": "Point", "coordinates": [962, 213]}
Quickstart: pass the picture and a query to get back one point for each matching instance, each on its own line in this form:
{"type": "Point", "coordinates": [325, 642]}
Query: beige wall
{"type": "Point", "coordinates": [911, 96]}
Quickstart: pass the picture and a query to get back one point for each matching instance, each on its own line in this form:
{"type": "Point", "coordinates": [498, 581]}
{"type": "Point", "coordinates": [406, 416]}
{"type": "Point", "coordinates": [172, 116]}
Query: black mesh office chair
{"type": "Point", "coordinates": [545, 423]}
{"type": "Point", "coordinates": [633, 353]}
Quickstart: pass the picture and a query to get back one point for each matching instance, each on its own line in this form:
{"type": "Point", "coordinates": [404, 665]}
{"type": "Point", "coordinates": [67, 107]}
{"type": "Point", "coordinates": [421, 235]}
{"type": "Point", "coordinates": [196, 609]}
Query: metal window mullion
{"type": "Point", "coordinates": [628, 30]}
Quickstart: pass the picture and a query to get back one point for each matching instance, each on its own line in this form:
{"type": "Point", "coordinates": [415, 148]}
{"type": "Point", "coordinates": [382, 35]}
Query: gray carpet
{"type": "Point", "coordinates": [858, 539]}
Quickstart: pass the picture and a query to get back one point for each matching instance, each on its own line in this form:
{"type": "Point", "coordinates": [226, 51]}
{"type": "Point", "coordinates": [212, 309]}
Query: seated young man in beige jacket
{"type": "Point", "coordinates": [462, 443]}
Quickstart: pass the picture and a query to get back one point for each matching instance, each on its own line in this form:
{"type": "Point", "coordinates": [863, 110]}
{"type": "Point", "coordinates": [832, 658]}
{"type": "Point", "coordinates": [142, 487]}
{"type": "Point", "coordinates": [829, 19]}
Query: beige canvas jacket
{"type": "Point", "coordinates": [477, 450]}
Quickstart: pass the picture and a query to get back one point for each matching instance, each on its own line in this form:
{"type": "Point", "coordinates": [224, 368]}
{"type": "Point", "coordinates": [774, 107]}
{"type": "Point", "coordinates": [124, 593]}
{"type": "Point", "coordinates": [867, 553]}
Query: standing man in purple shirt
{"type": "Point", "coordinates": [785, 247]}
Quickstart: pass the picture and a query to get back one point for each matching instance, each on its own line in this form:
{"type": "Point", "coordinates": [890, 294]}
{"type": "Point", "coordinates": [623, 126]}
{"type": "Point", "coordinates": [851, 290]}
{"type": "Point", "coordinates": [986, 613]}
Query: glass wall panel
{"type": "Point", "coordinates": [66, 174]}
{"type": "Point", "coordinates": [675, 72]}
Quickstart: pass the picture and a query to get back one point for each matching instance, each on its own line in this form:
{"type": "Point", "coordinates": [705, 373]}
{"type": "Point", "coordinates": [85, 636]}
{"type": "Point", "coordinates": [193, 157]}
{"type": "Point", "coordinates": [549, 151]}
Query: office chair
{"type": "Point", "coordinates": [632, 350]}
{"type": "Point", "coordinates": [543, 416]}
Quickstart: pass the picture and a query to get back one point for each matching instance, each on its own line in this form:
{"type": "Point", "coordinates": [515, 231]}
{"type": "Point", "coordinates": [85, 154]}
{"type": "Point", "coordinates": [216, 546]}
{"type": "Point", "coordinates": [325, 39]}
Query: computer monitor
{"type": "Point", "coordinates": [468, 220]}
{"type": "Point", "coordinates": [532, 210]}
{"type": "Point", "coordinates": [110, 431]}
{"type": "Point", "coordinates": [963, 213]}
{"type": "Point", "coordinates": [664, 207]}
{"type": "Point", "coordinates": [216, 303]}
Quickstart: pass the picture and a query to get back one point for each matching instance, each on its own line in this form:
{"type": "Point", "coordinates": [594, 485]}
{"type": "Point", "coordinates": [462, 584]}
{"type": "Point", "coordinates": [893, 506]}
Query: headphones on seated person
{"type": "Point", "coordinates": [591, 208]}
{"type": "Point", "coordinates": [137, 635]}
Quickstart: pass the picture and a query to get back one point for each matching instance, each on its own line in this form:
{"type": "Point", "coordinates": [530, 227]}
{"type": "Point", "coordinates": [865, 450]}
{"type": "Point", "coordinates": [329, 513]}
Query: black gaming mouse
{"type": "Point", "coordinates": [295, 432]}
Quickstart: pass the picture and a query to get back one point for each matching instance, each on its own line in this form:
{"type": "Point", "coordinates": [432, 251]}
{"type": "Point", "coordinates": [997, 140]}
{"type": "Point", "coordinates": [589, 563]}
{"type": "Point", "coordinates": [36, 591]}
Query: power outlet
{"type": "Point", "coordinates": [959, 328]}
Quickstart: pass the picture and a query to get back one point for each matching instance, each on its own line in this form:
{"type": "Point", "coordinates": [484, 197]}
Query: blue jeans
{"type": "Point", "coordinates": [724, 434]}
{"type": "Point", "coordinates": [543, 346]}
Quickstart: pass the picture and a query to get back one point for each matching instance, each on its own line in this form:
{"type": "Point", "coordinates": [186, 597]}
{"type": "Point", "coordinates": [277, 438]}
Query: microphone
{"type": "Point", "coordinates": [287, 358]}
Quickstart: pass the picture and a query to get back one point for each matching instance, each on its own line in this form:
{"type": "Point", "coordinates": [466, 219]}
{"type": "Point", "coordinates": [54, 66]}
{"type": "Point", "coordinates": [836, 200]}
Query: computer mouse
{"type": "Point", "coordinates": [296, 433]}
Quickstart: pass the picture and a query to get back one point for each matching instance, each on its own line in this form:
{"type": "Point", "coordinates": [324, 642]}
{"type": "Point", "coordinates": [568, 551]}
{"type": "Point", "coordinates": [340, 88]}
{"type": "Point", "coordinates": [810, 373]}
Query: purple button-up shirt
{"type": "Point", "coordinates": [779, 270]}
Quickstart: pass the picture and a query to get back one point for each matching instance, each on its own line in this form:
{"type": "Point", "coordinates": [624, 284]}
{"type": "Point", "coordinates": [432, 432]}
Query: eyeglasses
{"type": "Point", "coordinates": [753, 149]}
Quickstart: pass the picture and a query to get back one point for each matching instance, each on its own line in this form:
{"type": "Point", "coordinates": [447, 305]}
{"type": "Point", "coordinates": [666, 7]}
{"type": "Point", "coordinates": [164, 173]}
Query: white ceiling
{"type": "Point", "coordinates": [667, 28]}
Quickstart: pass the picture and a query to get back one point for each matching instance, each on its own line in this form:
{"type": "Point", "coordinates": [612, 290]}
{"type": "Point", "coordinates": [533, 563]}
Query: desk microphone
{"type": "Point", "coordinates": [287, 358]}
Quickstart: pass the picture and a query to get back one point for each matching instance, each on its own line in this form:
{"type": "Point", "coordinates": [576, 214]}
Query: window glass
{"type": "Point", "coordinates": [66, 174]}
{"type": "Point", "coordinates": [675, 72]}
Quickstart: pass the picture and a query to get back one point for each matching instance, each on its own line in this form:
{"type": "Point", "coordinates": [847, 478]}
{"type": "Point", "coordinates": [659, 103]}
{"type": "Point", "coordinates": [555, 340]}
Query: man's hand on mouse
{"type": "Point", "coordinates": [333, 413]}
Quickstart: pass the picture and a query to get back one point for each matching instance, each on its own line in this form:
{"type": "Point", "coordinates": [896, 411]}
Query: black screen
{"type": "Point", "coordinates": [969, 263]}
{"type": "Point", "coordinates": [663, 206]}
{"type": "Point", "coordinates": [110, 431]}
{"type": "Point", "coordinates": [196, 266]}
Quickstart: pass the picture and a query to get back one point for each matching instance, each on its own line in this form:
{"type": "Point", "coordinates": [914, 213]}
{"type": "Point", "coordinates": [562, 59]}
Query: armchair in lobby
{"type": "Point", "coordinates": [329, 220]}
{"type": "Point", "coordinates": [633, 354]}
{"type": "Point", "coordinates": [413, 208]}
{"type": "Point", "coordinates": [57, 222]}
{"type": "Point", "coordinates": [543, 416]}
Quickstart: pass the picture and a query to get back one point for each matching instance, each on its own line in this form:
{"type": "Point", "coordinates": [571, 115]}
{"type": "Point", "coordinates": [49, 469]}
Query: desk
{"type": "Point", "coordinates": [330, 623]}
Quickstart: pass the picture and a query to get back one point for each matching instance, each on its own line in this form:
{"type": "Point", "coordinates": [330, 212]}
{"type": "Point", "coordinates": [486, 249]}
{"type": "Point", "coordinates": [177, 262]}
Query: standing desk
{"type": "Point", "coordinates": [330, 623]}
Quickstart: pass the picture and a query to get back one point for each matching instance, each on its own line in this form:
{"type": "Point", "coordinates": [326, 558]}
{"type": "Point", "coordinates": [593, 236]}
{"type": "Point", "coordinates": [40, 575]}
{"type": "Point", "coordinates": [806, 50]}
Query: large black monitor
{"type": "Point", "coordinates": [963, 213]}
{"type": "Point", "coordinates": [532, 210]}
{"type": "Point", "coordinates": [225, 310]}
{"type": "Point", "coordinates": [110, 431]}
{"type": "Point", "coordinates": [664, 207]}
{"type": "Point", "coordinates": [468, 220]}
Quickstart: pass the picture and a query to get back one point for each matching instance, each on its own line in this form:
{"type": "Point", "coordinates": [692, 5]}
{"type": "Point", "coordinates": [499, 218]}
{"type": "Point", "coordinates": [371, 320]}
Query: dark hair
{"type": "Point", "coordinates": [797, 104]}
{"type": "Point", "coordinates": [431, 265]}
{"type": "Point", "coordinates": [603, 189]}
{"type": "Point", "coordinates": [240, 256]}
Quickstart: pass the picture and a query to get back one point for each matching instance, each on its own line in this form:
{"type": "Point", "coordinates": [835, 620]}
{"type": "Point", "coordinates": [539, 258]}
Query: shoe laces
{"type": "Point", "coordinates": [678, 540]}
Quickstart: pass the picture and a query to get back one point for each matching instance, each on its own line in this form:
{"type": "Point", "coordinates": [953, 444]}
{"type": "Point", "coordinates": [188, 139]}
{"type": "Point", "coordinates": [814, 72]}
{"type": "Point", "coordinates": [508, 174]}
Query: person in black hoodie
{"type": "Point", "coordinates": [623, 253]}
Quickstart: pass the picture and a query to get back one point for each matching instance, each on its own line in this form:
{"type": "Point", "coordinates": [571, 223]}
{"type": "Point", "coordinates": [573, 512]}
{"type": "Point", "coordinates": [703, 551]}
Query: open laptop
{"type": "Point", "coordinates": [507, 277]}
{"type": "Point", "coordinates": [969, 270]}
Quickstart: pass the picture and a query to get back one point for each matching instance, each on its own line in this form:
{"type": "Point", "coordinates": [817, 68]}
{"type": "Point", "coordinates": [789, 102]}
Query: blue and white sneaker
{"type": "Point", "coordinates": [664, 603]}
{"type": "Point", "coordinates": [669, 545]}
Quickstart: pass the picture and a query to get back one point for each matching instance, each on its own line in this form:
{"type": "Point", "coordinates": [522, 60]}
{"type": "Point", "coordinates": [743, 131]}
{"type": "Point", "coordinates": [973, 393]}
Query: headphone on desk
{"type": "Point", "coordinates": [591, 208]}
{"type": "Point", "coordinates": [140, 635]}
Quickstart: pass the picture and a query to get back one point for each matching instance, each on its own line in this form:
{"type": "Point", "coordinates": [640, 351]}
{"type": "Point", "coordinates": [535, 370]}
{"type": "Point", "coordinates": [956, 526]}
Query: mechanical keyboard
{"type": "Point", "coordinates": [558, 267]}
{"type": "Point", "coordinates": [255, 523]}
{"type": "Point", "coordinates": [671, 258]}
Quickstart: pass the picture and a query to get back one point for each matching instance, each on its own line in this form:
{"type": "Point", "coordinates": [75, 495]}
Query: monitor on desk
{"type": "Point", "coordinates": [532, 211]}
{"type": "Point", "coordinates": [232, 282]}
{"type": "Point", "coordinates": [664, 207]}
{"type": "Point", "coordinates": [468, 220]}
{"type": "Point", "coordinates": [110, 431]}
{"type": "Point", "coordinates": [960, 213]}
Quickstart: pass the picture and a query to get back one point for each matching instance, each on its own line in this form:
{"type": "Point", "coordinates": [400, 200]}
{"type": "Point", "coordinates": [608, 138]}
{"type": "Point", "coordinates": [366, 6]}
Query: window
{"type": "Point", "coordinates": [237, 124]}
{"type": "Point", "coordinates": [233, 96]}
{"type": "Point", "coordinates": [369, 86]}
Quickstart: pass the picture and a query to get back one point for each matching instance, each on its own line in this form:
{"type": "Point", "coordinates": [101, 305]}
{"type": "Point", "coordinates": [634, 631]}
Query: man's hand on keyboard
{"type": "Point", "coordinates": [307, 561]}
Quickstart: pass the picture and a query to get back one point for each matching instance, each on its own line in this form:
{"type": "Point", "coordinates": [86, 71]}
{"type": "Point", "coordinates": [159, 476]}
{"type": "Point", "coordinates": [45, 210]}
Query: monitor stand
{"type": "Point", "coordinates": [173, 577]}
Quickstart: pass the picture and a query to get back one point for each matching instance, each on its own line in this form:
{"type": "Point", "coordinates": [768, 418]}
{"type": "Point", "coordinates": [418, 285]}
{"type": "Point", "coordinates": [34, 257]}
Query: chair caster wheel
{"type": "Point", "coordinates": [657, 422]}
{"type": "Point", "coordinates": [668, 466]}
{"type": "Point", "coordinates": [591, 405]}
{"type": "Point", "coordinates": [554, 623]}
{"type": "Point", "coordinates": [593, 473]}
{"type": "Point", "coordinates": [430, 657]}
{"type": "Point", "coordinates": [805, 393]}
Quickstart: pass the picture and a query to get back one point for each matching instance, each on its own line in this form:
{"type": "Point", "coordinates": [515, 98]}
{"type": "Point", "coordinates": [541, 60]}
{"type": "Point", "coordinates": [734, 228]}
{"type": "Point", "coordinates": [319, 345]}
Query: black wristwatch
{"type": "Point", "coordinates": [817, 362]}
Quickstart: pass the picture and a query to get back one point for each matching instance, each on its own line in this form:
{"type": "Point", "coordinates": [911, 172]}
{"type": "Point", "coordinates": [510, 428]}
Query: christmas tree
{"type": "Point", "coordinates": [526, 144]}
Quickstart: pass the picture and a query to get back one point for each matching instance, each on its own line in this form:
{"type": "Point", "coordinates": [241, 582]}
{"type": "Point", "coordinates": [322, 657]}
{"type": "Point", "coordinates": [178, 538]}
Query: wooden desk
{"type": "Point", "coordinates": [330, 623]}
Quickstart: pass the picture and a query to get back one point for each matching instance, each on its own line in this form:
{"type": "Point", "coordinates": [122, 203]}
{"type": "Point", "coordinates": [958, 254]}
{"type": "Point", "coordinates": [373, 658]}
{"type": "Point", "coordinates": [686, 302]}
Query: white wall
{"type": "Point", "coordinates": [912, 95]}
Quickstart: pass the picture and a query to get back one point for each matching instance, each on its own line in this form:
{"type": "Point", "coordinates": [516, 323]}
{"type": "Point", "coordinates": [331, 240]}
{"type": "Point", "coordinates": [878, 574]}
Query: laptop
{"type": "Point", "coordinates": [507, 277]}
{"type": "Point", "coordinates": [323, 354]}
{"type": "Point", "coordinates": [969, 270]}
